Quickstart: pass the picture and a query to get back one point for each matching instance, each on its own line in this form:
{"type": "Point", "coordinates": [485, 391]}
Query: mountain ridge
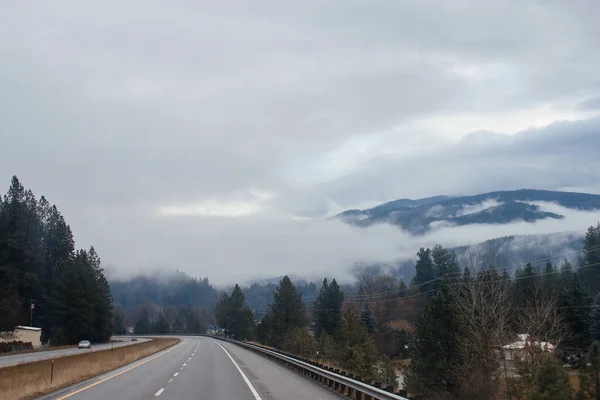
{"type": "Point", "coordinates": [498, 207]}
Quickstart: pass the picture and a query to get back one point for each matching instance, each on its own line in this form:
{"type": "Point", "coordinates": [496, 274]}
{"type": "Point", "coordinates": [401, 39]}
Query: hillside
{"type": "Point", "coordinates": [418, 216]}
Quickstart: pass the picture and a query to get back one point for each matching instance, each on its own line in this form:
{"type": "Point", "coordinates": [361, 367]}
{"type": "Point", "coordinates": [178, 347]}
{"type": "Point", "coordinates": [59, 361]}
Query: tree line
{"type": "Point", "coordinates": [488, 335]}
{"type": "Point", "coordinates": [44, 280]}
{"type": "Point", "coordinates": [458, 326]}
{"type": "Point", "coordinates": [339, 336]}
{"type": "Point", "coordinates": [185, 320]}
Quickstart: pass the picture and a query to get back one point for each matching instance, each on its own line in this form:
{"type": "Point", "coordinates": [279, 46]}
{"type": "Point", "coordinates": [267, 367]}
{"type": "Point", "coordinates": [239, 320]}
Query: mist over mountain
{"type": "Point", "coordinates": [422, 215]}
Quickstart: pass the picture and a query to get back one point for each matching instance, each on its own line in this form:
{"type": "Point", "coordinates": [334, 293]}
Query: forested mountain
{"type": "Point", "coordinates": [44, 281]}
{"type": "Point", "coordinates": [176, 289]}
{"type": "Point", "coordinates": [417, 216]}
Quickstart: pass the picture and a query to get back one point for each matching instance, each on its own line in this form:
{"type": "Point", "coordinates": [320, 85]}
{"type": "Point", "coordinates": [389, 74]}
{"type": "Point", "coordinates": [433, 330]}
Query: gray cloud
{"type": "Point", "coordinates": [116, 111]}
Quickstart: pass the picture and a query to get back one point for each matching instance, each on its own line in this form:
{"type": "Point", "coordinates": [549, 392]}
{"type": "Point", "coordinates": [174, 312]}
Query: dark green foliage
{"type": "Point", "coordinates": [595, 319]}
{"type": "Point", "coordinates": [264, 330]}
{"type": "Point", "coordinates": [176, 289]}
{"type": "Point", "coordinates": [161, 325]}
{"type": "Point", "coordinates": [143, 326]}
{"type": "Point", "coordinates": [287, 311]}
{"type": "Point", "coordinates": [367, 318]}
{"type": "Point", "coordinates": [424, 271]}
{"type": "Point", "coordinates": [38, 265]}
{"type": "Point", "coordinates": [590, 373]}
{"type": "Point", "coordinates": [392, 342]}
{"type": "Point", "coordinates": [328, 307]}
{"type": "Point", "coordinates": [21, 256]}
{"type": "Point", "coordinates": [574, 306]}
{"type": "Point", "coordinates": [326, 347]}
{"type": "Point", "coordinates": [590, 265]}
{"type": "Point", "coordinates": [549, 382]}
{"type": "Point", "coordinates": [299, 341]}
{"type": "Point", "coordinates": [434, 348]}
{"type": "Point", "coordinates": [234, 315]}
{"type": "Point", "coordinates": [196, 320]}
{"type": "Point", "coordinates": [355, 349]}
{"type": "Point", "coordinates": [527, 281]}
{"type": "Point", "coordinates": [179, 326]}
{"type": "Point", "coordinates": [118, 322]}
{"type": "Point", "coordinates": [385, 372]}
{"type": "Point", "coordinates": [551, 279]}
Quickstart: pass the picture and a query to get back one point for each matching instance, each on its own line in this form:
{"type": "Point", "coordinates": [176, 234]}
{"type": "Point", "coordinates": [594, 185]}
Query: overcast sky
{"type": "Point", "coordinates": [214, 136]}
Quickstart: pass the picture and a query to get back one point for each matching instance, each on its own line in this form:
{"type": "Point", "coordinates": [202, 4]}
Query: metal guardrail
{"type": "Point", "coordinates": [337, 381]}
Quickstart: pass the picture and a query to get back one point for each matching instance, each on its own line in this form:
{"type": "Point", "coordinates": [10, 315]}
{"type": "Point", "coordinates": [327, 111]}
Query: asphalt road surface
{"type": "Point", "coordinates": [45, 355]}
{"type": "Point", "coordinates": [199, 368]}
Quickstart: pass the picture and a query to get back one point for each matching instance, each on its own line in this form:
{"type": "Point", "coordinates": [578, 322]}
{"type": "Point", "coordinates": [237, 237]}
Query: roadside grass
{"type": "Point", "coordinates": [26, 381]}
{"type": "Point", "coordinates": [14, 353]}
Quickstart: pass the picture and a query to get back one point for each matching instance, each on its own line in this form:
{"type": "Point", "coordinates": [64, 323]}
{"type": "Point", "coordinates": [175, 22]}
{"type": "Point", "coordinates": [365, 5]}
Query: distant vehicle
{"type": "Point", "coordinates": [134, 339]}
{"type": "Point", "coordinates": [84, 344]}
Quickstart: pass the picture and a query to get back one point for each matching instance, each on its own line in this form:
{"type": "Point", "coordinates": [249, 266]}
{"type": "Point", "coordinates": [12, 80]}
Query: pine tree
{"type": "Point", "coordinates": [161, 325]}
{"type": "Point", "coordinates": [287, 310]}
{"type": "Point", "coordinates": [441, 258]}
{"type": "Point", "coordinates": [367, 318]}
{"type": "Point", "coordinates": [180, 322]}
{"type": "Point", "coordinates": [38, 266]}
{"type": "Point", "coordinates": [550, 381]}
{"type": "Point", "coordinates": [595, 319]}
{"type": "Point", "coordinates": [551, 279]}
{"type": "Point", "coordinates": [527, 280]}
{"type": "Point", "coordinates": [234, 315]}
{"type": "Point", "coordinates": [434, 348]}
{"type": "Point", "coordinates": [21, 257]}
{"type": "Point", "coordinates": [326, 347]}
{"type": "Point", "coordinates": [119, 322]}
{"type": "Point", "coordinates": [424, 271]}
{"type": "Point", "coordinates": [328, 308]}
{"type": "Point", "coordinates": [143, 325]}
{"type": "Point", "coordinates": [590, 266]}
{"type": "Point", "coordinates": [299, 341]}
{"type": "Point", "coordinates": [574, 307]}
{"type": "Point", "coordinates": [356, 351]}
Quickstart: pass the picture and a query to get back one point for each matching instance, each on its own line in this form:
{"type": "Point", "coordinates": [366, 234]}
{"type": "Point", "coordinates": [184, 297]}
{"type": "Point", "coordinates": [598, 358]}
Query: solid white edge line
{"type": "Point", "coordinates": [254, 392]}
{"type": "Point", "coordinates": [159, 392]}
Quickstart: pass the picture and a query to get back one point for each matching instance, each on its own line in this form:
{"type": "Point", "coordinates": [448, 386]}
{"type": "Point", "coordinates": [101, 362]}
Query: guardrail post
{"type": "Point", "coordinates": [359, 395]}
{"type": "Point", "coordinates": [390, 388]}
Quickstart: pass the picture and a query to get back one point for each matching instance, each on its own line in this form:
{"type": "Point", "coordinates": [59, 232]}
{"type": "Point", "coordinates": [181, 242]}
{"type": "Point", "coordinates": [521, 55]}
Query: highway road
{"type": "Point", "coordinates": [7, 360]}
{"type": "Point", "coordinates": [199, 368]}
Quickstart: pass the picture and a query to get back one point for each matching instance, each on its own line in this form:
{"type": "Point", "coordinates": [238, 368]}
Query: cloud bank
{"type": "Point", "coordinates": [213, 137]}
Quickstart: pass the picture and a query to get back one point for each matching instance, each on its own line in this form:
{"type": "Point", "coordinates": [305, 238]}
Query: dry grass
{"type": "Point", "coordinates": [25, 381]}
{"type": "Point", "coordinates": [13, 353]}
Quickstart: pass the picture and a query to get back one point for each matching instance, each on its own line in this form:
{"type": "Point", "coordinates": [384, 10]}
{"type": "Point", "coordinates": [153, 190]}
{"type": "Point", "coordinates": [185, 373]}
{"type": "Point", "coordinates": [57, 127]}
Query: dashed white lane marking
{"type": "Point", "coordinates": [176, 373]}
{"type": "Point", "coordinates": [184, 364]}
{"type": "Point", "coordinates": [189, 358]}
{"type": "Point", "coordinates": [159, 392]}
{"type": "Point", "coordinates": [254, 392]}
{"type": "Point", "coordinates": [170, 380]}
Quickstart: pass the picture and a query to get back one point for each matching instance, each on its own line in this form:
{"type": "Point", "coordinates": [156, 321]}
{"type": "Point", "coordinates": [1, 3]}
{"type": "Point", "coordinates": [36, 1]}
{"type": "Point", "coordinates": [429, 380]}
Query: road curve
{"type": "Point", "coordinates": [6, 360]}
{"type": "Point", "coordinates": [199, 368]}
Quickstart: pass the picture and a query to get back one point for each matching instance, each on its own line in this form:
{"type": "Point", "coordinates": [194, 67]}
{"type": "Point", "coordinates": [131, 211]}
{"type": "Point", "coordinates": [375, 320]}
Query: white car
{"type": "Point", "coordinates": [84, 344]}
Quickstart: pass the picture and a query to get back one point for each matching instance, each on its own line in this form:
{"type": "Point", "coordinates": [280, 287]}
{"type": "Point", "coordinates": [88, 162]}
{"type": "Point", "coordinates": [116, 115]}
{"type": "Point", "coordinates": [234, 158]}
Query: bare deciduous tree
{"type": "Point", "coordinates": [483, 312]}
